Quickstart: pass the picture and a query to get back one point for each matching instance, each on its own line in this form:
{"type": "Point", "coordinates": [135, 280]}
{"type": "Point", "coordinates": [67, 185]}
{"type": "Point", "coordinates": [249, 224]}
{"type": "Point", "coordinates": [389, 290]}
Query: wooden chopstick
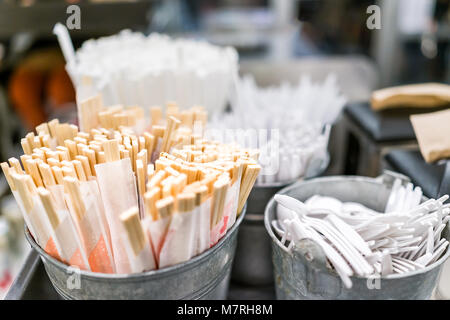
{"type": "Point", "coordinates": [133, 227]}
{"type": "Point", "coordinates": [165, 207]}
{"type": "Point", "coordinates": [150, 198]}
{"type": "Point", "coordinates": [49, 207]}
{"type": "Point", "coordinates": [72, 188]}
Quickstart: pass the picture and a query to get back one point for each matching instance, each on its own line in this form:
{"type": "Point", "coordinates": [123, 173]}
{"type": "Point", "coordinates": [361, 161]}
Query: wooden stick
{"type": "Point", "coordinates": [141, 141]}
{"type": "Point", "coordinates": [53, 162]}
{"type": "Point", "coordinates": [158, 131]}
{"type": "Point", "coordinates": [156, 179]}
{"type": "Point", "coordinates": [16, 165]}
{"type": "Point", "coordinates": [90, 154]}
{"type": "Point", "coordinates": [150, 198]}
{"type": "Point", "coordinates": [52, 127]}
{"type": "Point", "coordinates": [167, 185]}
{"type": "Point", "coordinates": [81, 147]}
{"type": "Point", "coordinates": [72, 188]}
{"type": "Point", "coordinates": [37, 142]}
{"type": "Point", "coordinates": [72, 147]}
{"type": "Point", "coordinates": [140, 175]}
{"type": "Point", "coordinates": [142, 155]}
{"type": "Point", "coordinates": [80, 140]}
{"type": "Point", "coordinates": [26, 146]}
{"type": "Point", "coordinates": [49, 207]}
{"type": "Point", "coordinates": [172, 124]}
{"type": "Point", "coordinates": [69, 172]}
{"type": "Point", "coordinates": [20, 181]}
{"type": "Point", "coordinates": [248, 180]}
{"type": "Point", "coordinates": [79, 170]}
{"type": "Point", "coordinates": [42, 129]}
{"type": "Point", "coordinates": [150, 171]}
{"type": "Point", "coordinates": [165, 207]}
{"type": "Point", "coordinates": [63, 153]}
{"type": "Point", "coordinates": [133, 227]}
{"type": "Point", "coordinates": [47, 175]}
{"type": "Point", "coordinates": [201, 194]}
{"type": "Point", "coordinates": [179, 184]}
{"type": "Point", "coordinates": [57, 173]}
{"type": "Point", "coordinates": [149, 144]}
{"type": "Point", "coordinates": [8, 175]}
{"type": "Point", "coordinates": [186, 202]}
{"type": "Point", "coordinates": [34, 172]}
{"type": "Point", "coordinates": [85, 163]}
{"type": "Point", "coordinates": [101, 157]}
{"type": "Point", "coordinates": [46, 141]}
{"type": "Point", "coordinates": [111, 149]}
{"type": "Point", "coordinates": [30, 139]}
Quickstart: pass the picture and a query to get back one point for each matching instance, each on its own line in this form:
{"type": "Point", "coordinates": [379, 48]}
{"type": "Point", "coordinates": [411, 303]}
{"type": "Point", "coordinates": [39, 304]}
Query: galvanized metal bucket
{"type": "Point", "coordinates": [253, 262]}
{"type": "Point", "coordinates": [297, 277]}
{"type": "Point", "coordinates": [205, 276]}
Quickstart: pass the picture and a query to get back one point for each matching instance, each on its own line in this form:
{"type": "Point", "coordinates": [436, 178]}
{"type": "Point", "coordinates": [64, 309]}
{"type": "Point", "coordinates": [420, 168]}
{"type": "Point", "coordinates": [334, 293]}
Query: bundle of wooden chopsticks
{"type": "Point", "coordinates": [95, 199]}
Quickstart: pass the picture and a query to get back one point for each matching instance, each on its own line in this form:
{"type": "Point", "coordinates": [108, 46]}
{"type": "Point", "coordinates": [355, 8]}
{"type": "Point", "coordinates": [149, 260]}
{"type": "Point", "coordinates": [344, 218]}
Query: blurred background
{"type": "Point", "coordinates": [276, 40]}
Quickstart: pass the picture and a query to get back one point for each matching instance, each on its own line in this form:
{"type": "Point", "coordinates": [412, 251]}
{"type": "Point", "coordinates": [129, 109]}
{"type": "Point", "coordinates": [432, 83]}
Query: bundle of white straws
{"type": "Point", "coordinates": [133, 69]}
{"type": "Point", "coordinates": [296, 119]}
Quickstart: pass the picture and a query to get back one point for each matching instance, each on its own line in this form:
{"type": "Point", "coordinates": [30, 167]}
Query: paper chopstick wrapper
{"type": "Point", "coordinates": [8, 172]}
{"type": "Point", "coordinates": [91, 187]}
{"type": "Point", "coordinates": [433, 134]}
{"type": "Point", "coordinates": [85, 213]}
{"type": "Point", "coordinates": [137, 244]}
{"type": "Point", "coordinates": [37, 218]}
{"type": "Point", "coordinates": [64, 230]}
{"type": "Point", "coordinates": [423, 95]}
{"type": "Point", "coordinates": [204, 226]}
{"type": "Point", "coordinates": [220, 210]}
{"type": "Point", "coordinates": [179, 242]}
{"type": "Point", "coordinates": [233, 199]}
{"type": "Point", "coordinates": [157, 230]}
{"type": "Point", "coordinates": [117, 186]}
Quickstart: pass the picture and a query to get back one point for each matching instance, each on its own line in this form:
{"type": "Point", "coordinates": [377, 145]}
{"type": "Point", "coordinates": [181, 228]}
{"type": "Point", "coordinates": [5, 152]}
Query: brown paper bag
{"type": "Point", "coordinates": [433, 134]}
{"type": "Point", "coordinates": [422, 95]}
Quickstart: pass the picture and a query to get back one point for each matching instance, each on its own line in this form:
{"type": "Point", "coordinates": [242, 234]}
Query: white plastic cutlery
{"type": "Point", "coordinates": [359, 240]}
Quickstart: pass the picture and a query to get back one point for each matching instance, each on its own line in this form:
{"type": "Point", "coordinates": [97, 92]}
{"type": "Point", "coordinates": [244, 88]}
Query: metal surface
{"type": "Point", "coordinates": [297, 278]}
{"type": "Point", "coordinates": [97, 19]}
{"type": "Point", "coordinates": [24, 277]}
{"type": "Point", "coordinates": [252, 265]}
{"type": "Point", "coordinates": [32, 282]}
{"type": "Point", "coordinates": [203, 277]}
{"type": "Point", "coordinates": [368, 154]}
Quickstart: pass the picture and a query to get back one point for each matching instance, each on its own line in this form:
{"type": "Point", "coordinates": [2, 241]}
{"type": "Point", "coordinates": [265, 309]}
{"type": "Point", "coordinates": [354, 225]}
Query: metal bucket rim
{"type": "Point", "coordinates": [275, 239]}
{"type": "Point", "coordinates": [300, 178]}
{"type": "Point", "coordinates": [159, 273]}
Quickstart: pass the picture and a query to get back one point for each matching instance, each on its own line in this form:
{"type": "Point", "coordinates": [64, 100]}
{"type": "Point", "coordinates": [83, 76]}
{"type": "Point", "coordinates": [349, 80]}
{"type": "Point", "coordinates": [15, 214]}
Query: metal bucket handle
{"type": "Point", "coordinates": [313, 261]}
{"type": "Point", "coordinates": [388, 178]}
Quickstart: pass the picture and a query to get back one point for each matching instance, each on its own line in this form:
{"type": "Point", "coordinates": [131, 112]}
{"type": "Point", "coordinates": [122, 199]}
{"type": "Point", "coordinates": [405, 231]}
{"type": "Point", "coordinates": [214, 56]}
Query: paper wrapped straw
{"type": "Point", "coordinates": [289, 124]}
{"type": "Point", "coordinates": [132, 69]}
